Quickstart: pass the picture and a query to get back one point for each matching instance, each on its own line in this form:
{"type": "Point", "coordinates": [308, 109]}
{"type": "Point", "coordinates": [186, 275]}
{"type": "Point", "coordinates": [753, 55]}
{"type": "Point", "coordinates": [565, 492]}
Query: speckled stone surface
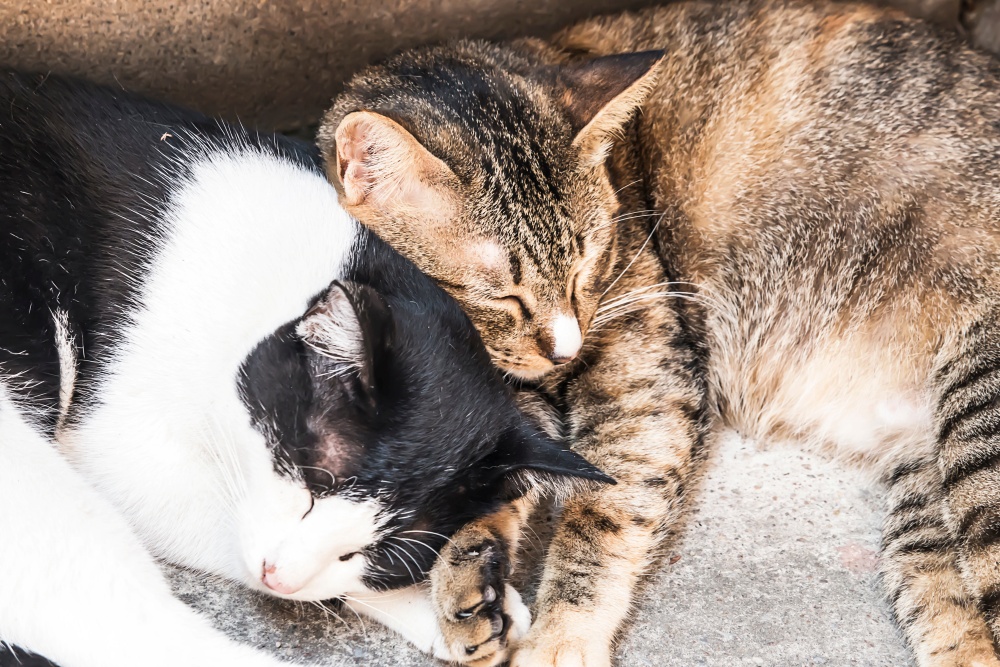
{"type": "Point", "coordinates": [777, 567]}
{"type": "Point", "coordinates": [277, 64]}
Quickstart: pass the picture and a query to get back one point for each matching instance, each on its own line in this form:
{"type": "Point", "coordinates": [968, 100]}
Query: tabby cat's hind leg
{"type": "Point", "coordinates": [76, 585]}
{"type": "Point", "coordinates": [920, 569]}
{"type": "Point", "coordinates": [968, 431]}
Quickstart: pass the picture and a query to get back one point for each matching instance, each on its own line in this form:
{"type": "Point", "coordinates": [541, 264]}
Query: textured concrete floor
{"type": "Point", "coordinates": [777, 567]}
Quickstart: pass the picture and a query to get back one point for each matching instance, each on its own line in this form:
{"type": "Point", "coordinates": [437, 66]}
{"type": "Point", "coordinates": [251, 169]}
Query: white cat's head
{"type": "Point", "coordinates": [383, 428]}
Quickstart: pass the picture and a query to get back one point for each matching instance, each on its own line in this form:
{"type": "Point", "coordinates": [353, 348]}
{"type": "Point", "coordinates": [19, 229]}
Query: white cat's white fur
{"type": "Point", "coordinates": [169, 465]}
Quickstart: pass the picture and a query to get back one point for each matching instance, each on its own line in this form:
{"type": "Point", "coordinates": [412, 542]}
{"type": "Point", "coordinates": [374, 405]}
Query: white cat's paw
{"type": "Point", "coordinates": [519, 614]}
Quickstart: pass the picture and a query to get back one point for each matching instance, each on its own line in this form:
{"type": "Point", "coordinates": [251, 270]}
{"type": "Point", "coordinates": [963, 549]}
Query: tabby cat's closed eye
{"type": "Point", "coordinates": [517, 305]}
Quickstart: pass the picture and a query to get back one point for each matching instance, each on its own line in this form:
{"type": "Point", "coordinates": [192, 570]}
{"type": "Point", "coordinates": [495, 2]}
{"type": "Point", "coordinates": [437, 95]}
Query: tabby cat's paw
{"type": "Point", "coordinates": [552, 649]}
{"type": "Point", "coordinates": [479, 615]}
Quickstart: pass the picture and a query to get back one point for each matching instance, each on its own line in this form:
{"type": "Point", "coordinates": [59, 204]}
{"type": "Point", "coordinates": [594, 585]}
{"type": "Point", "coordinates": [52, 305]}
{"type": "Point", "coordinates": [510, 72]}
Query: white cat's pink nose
{"type": "Point", "coordinates": [272, 581]}
{"type": "Point", "coordinates": [567, 339]}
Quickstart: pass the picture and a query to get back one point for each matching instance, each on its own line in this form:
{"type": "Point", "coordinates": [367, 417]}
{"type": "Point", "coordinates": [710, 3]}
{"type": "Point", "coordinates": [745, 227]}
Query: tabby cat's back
{"type": "Point", "coordinates": [831, 189]}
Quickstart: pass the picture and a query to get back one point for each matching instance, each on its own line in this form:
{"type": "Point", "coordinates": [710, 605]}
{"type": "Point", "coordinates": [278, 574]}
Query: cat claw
{"type": "Point", "coordinates": [479, 615]}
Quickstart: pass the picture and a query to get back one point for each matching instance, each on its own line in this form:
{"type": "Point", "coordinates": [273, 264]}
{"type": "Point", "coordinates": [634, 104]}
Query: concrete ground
{"type": "Point", "coordinates": [777, 567]}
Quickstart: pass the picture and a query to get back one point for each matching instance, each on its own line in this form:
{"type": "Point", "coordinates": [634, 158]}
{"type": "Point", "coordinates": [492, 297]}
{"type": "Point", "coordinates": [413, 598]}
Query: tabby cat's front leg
{"type": "Point", "coordinates": [638, 412]}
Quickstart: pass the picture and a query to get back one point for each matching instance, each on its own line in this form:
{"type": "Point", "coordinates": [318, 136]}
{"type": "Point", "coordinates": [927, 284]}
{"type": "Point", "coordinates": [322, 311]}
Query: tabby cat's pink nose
{"type": "Point", "coordinates": [567, 339]}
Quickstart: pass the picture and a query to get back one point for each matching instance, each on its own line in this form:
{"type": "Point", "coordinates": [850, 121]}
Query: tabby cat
{"type": "Point", "coordinates": [797, 236]}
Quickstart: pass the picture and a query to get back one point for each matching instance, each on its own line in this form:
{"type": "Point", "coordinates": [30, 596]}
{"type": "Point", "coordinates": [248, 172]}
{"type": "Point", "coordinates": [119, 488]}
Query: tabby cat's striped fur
{"type": "Point", "coordinates": [826, 190]}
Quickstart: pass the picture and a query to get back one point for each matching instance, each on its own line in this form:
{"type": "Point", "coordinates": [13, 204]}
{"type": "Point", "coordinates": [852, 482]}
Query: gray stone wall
{"type": "Point", "coordinates": [271, 63]}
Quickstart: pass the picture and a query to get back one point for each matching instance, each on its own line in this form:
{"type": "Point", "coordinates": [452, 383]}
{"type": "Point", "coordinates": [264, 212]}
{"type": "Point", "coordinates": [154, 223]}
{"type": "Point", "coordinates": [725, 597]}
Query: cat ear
{"type": "Point", "coordinates": [600, 95]}
{"type": "Point", "coordinates": [344, 327]}
{"type": "Point", "coordinates": [381, 165]}
{"type": "Point", "coordinates": [525, 457]}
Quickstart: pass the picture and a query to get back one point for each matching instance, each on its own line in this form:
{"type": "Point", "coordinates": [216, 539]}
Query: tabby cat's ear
{"type": "Point", "coordinates": [600, 96]}
{"type": "Point", "coordinates": [382, 167]}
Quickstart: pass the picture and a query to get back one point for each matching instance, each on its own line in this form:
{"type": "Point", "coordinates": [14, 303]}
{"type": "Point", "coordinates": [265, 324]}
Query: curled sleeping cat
{"type": "Point", "coordinates": [204, 359]}
{"type": "Point", "coordinates": [798, 235]}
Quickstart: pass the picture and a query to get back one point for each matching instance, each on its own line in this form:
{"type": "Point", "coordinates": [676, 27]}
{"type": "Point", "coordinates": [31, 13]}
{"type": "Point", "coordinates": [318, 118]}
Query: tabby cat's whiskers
{"type": "Point", "coordinates": [638, 254]}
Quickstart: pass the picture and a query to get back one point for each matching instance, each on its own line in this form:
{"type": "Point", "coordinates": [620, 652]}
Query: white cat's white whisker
{"type": "Point", "coordinates": [415, 559]}
{"type": "Point", "coordinates": [627, 185]}
{"type": "Point", "coordinates": [364, 628]}
{"type": "Point", "coordinates": [381, 611]}
{"type": "Point", "coordinates": [395, 549]}
{"type": "Point", "coordinates": [429, 532]}
{"type": "Point", "coordinates": [412, 555]}
{"type": "Point", "coordinates": [534, 534]}
{"type": "Point", "coordinates": [423, 544]}
{"type": "Point", "coordinates": [380, 595]}
{"type": "Point", "coordinates": [333, 479]}
{"type": "Point", "coordinates": [326, 610]}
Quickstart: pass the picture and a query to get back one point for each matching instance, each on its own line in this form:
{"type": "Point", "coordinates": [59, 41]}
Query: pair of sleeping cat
{"type": "Point", "coordinates": [204, 359]}
{"type": "Point", "coordinates": [778, 216]}
{"type": "Point", "coordinates": [797, 236]}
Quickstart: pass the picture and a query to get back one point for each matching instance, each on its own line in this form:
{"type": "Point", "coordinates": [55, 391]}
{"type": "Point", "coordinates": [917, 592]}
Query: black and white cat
{"type": "Point", "coordinates": [204, 359]}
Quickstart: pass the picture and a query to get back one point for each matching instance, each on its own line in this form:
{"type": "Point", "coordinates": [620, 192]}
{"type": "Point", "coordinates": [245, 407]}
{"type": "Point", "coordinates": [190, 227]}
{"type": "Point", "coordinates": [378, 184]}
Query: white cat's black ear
{"type": "Point", "coordinates": [343, 326]}
{"type": "Point", "coordinates": [525, 458]}
{"type": "Point", "coordinates": [379, 164]}
{"type": "Point", "coordinates": [600, 95]}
